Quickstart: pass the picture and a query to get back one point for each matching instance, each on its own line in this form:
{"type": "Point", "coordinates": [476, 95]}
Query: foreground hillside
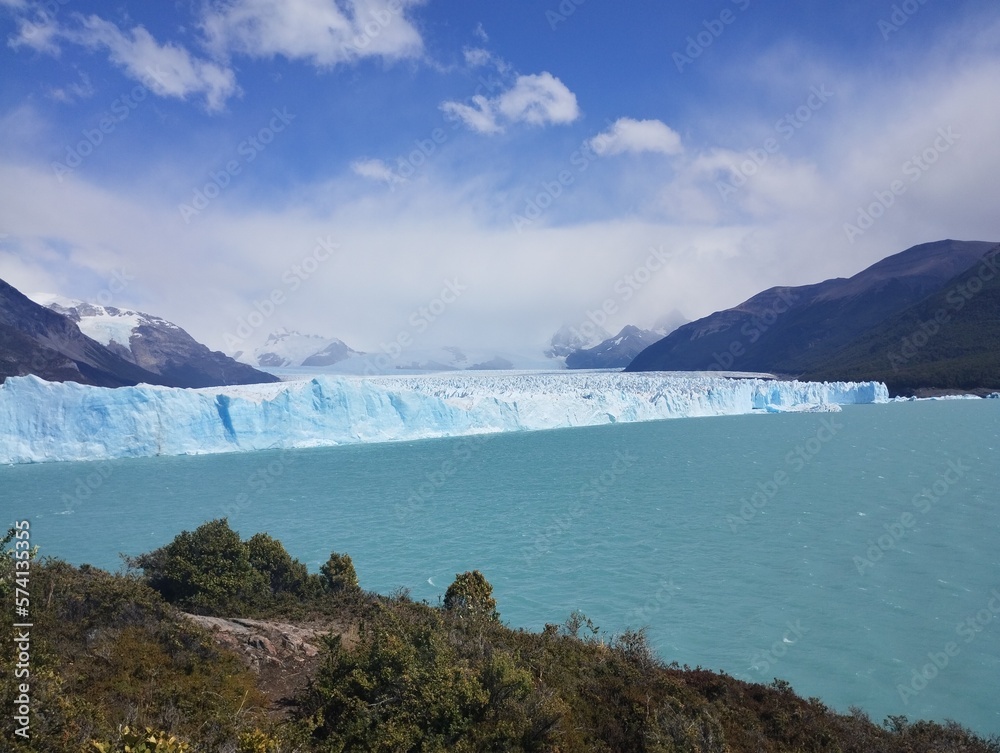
{"type": "Point", "coordinates": [115, 663]}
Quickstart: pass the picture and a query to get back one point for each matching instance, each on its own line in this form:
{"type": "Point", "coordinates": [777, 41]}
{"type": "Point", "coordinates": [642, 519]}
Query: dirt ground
{"type": "Point", "coordinates": [283, 655]}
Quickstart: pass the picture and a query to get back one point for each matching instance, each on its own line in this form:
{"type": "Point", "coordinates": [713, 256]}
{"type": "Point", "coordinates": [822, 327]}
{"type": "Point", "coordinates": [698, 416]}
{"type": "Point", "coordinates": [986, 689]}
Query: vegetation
{"type": "Point", "coordinates": [116, 668]}
{"type": "Point", "coordinates": [950, 340]}
{"type": "Point", "coordinates": [211, 571]}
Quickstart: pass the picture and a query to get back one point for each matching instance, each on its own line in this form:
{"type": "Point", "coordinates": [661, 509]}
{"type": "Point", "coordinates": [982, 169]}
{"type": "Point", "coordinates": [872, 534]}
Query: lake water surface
{"type": "Point", "coordinates": [854, 554]}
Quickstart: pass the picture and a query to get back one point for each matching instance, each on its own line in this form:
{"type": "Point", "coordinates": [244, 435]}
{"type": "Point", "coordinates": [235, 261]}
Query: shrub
{"type": "Point", "coordinates": [207, 571]}
{"type": "Point", "coordinates": [143, 741]}
{"type": "Point", "coordinates": [338, 574]}
{"type": "Point", "coordinates": [471, 594]}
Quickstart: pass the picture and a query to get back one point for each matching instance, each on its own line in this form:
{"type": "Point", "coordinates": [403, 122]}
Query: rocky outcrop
{"type": "Point", "coordinates": [285, 656]}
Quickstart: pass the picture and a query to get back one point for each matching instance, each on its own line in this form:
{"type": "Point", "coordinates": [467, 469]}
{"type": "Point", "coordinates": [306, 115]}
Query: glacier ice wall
{"type": "Point", "coordinates": [42, 421]}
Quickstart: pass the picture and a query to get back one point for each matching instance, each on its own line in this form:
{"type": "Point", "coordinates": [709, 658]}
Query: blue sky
{"type": "Point", "coordinates": [335, 165]}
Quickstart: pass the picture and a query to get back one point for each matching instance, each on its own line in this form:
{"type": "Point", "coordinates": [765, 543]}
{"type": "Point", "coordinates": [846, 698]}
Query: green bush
{"type": "Point", "coordinates": [471, 594]}
{"type": "Point", "coordinates": [109, 652]}
{"type": "Point", "coordinates": [410, 683]}
{"type": "Point", "coordinates": [338, 574]}
{"type": "Point", "coordinates": [213, 571]}
{"type": "Point", "coordinates": [207, 571]}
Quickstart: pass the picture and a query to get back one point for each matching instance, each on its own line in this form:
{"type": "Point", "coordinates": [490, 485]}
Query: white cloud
{"type": "Point", "coordinates": [477, 56]}
{"type": "Point", "coordinates": [167, 69]}
{"type": "Point", "coordinates": [74, 91]}
{"type": "Point", "coordinates": [480, 116]}
{"type": "Point", "coordinates": [376, 169]}
{"type": "Point", "coordinates": [537, 99]}
{"type": "Point", "coordinates": [319, 31]}
{"type": "Point", "coordinates": [784, 224]}
{"type": "Point", "coordinates": [40, 34]}
{"type": "Point", "coordinates": [637, 136]}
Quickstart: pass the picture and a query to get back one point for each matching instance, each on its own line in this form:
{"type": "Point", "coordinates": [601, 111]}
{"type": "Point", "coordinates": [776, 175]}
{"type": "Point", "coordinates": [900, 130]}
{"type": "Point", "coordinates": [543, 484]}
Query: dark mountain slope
{"type": "Point", "coordinates": [159, 346]}
{"type": "Point", "coordinates": [615, 352]}
{"type": "Point", "coordinates": [35, 340]}
{"type": "Point", "coordinates": [949, 340]}
{"type": "Point", "coordinates": [793, 329]}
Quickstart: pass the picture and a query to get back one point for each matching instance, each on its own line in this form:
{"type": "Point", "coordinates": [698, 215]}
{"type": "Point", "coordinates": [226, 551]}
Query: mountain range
{"type": "Point", "coordinates": [68, 340]}
{"type": "Point", "coordinates": [614, 352]}
{"type": "Point", "coordinates": [602, 350]}
{"type": "Point", "coordinates": [155, 344]}
{"type": "Point", "coordinates": [925, 318]}
{"type": "Point", "coordinates": [287, 348]}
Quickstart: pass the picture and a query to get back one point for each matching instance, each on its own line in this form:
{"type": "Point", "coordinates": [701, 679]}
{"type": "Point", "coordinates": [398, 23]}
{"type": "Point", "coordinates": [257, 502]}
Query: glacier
{"type": "Point", "coordinates": [42, 421]}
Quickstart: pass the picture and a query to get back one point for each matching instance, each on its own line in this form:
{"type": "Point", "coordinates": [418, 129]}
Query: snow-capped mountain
{"type": "Point", "coordinates": [298, 355]}
{"type": "Point", "coordinates": [569, 339]}
{"type": "Point", "coordinates": [334, 352]}
{"type": "Point", "coordinates": [287, 348]}
{"type": "Point", "coordinates": [154, 344]}
{"type": "Point", "coordinates": [614, 353]}
{"type": "Point", "coordinates": [36, 340]}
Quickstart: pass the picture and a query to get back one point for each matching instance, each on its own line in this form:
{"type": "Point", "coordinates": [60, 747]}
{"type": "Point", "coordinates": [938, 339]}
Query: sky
{"type": "Point", "coordinates": [417, 173]}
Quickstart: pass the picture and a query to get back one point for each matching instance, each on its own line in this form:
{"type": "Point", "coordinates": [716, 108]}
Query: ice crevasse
{"type": "Point", "coordinates": [42, 421]}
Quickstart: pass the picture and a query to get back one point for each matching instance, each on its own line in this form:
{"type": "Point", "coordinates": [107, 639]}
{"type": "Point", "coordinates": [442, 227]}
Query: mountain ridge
{"type": "Point", "coordinates": [157, 345]}
{"type": "Point", "coordinates": [36, 340]}
{"type": "Point", "coordinates": [949, 340]}
{"type": "Point", "coordinates": [792, 329]}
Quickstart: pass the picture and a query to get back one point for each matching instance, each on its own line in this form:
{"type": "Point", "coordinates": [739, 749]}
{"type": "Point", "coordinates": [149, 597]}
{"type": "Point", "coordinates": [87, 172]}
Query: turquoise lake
{"type": "Point", "coordinates": [854, 554]}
